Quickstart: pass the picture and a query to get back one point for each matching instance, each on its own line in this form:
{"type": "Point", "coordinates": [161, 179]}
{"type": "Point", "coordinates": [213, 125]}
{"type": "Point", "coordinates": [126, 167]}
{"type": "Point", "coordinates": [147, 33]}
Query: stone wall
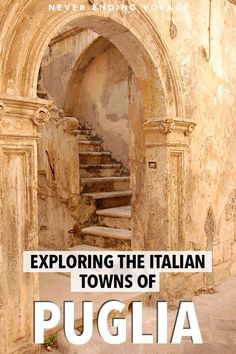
{"type": "Point", "coordinates": [183, 73]}
{"type": "Point", "coordinates": [59, 60]}
{"type": "Point", "coordinates": [103, 102]}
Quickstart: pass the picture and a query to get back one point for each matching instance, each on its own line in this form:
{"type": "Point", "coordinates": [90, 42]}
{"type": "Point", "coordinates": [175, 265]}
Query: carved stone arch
{"type": "Point", "coordinates": [156, 105]}
{"type": "Point", "coordinates": [155, 95]}
{"type": "Point", "coordinates": [210, 228]}
{"type": "Point", "coordinates": [134, 35]}
{"type": "Point", "coordinates": [230, 211]}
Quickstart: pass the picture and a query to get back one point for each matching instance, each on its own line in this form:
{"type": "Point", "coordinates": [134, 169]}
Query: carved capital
{"type": "Point", "coordinates": [41, 116]}
{"type": "Point", "coordinates": [23, 107]}
{"type": "Point", "coordinates": [168, 131]}
{"type": "Point", "coordinates": [167, 125]}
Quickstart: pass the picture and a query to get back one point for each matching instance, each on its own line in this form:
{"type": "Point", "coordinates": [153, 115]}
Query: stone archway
{"type": "Point", "coordinates": [158, 89]}
{"type": "Point", "coordinates": [126, 35]}
{"type": "Point", "coordinates": [159, 144]}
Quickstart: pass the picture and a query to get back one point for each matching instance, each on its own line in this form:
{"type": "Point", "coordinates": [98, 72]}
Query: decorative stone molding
{"type": "Point", "coordinates": [170, 125]}
{"type": "Point", "coordinates": [18, 222]}
{"type": "Point", "coordinates": [25, 107]}
{"type": "Point", "coordinates": [21, 116]}
{"type": "Point", "coordinates": [167, 131]}
{"type": "Point", "coordinates": [41, 116]}
{"type": "Point", "coordinates": [64, 35]}
{"type": "Point", "coordinates": [69, 124]}
{"type": "Point", "coordinates": [116, 24]}
{"type": "Point", "coordinates": [2, 108]}
{"type": "Point", "coordinates": [230, 208]}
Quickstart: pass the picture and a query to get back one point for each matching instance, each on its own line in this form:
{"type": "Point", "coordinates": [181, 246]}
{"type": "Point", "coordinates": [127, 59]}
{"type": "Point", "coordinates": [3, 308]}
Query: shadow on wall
{"type": "Point", "coordinates": [95, 88]}
{"type": "Point", "coordinates": [100, 86]}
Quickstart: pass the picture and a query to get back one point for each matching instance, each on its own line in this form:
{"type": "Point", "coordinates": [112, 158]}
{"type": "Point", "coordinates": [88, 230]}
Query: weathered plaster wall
{"type": "Point", "coordinates": [59, 185]}
{"type": "Point", "coordinates": [59, 60]}
{"type": "Point", "coordinates": [209, 92]}
{"type": "Point", "coordinates": [209, 95]}
{"type": "Point", "coordinates": [101, 97]}
{"type": "Point", "coordinates": [103, 102]}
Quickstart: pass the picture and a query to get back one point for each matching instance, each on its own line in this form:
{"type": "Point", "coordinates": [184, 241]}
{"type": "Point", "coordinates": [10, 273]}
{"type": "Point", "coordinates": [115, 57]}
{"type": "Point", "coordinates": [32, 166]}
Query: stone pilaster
{"type": "Point", "coordinates": [19, 118]}
{"type": "Point", "coordinates": [166, 149]}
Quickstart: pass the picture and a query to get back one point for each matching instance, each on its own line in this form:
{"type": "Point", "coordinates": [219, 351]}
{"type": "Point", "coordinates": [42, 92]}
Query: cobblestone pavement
{"type": "Point", "coordinates": [217, 320]}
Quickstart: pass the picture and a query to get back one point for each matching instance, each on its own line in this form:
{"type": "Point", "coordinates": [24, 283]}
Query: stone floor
{"type": "Point", "coordinates": [217, 320]}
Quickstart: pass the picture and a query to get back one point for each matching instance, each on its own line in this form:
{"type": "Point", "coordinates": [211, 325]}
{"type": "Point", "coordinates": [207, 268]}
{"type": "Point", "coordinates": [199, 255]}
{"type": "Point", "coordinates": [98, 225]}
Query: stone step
{"type": "Point", "coordinates": [85, 131]}
{"type": "Point", "coordinates": [104, 184]}
{"type": "Point", "coordinates": [82, 137]}
{"type": "Point", "coordinates": [107, 170]}
{"type": "Point", "coordinates": [89, 145]}
{"type": "Point", "coordinates": [106, 200]}
{"type": "Point", "coordinates": [84, 134]}
{"type": "Point", "coordinates": [101, 157]}
{"type": "Point", "coordinates": [120, 234]}
{"type": "Point", "coordinates": [86, 248]}
{"type": "Point", "coordinates": [55, 287]}
{"type": "Point", "coordinates": [118, 218]}
{"type": "Point", "coordinates": [107, 237]}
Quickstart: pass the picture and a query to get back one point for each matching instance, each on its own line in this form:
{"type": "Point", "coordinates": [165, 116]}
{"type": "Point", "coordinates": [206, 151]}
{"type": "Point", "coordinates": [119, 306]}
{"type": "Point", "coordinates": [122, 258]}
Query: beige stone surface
{"type": "Point", "coordinates": [181, 114]}
{"type": "Point", "coordinates": [58, 182]}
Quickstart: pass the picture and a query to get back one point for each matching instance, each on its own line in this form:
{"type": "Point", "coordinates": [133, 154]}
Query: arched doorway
{"type": "Point", "coordinates": [157, 120]}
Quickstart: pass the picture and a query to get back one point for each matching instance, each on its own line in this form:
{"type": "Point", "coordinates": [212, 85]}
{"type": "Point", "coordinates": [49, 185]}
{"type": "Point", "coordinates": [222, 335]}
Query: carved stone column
{"type": "Point", "coordinates": [19, 215]}
{"type": "Point", "coordinates": [166, 147]}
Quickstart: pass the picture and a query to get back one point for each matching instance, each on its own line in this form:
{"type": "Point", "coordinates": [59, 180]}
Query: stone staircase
{"type": "Point", "coordinates": [107, 184]}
